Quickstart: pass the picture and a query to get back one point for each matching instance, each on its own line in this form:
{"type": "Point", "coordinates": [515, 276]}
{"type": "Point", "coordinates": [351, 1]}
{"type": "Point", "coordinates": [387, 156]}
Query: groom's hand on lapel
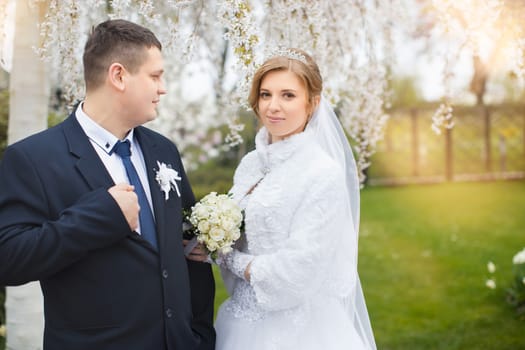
{"type": "Point", "coordinates": [128, 202]}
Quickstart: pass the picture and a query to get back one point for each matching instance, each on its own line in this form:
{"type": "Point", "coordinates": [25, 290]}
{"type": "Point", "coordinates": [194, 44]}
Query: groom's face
{"type": "Point", "coordinates": [144, 88]}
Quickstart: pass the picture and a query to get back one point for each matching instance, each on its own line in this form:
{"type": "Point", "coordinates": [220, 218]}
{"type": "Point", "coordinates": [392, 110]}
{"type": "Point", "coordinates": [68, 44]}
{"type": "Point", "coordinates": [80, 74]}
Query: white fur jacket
{"type": "Point", "coordinates": [297, 236]}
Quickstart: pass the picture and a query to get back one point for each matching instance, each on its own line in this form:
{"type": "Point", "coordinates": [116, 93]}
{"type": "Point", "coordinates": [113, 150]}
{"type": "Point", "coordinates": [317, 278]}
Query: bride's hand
{"type": "Point", "coordinates": [198, 253]}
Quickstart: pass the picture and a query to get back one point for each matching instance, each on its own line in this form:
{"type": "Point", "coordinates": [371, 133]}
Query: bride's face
{"type": "Point", "coordinates": [283, 104]}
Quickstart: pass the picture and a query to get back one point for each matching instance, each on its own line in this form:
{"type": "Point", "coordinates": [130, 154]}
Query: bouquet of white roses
{"type": "Point", "coordinates": [216, 221]}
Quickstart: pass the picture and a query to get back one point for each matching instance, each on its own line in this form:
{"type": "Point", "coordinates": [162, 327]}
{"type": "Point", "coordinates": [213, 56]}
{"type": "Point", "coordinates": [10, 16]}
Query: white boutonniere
{"type": "Point", "coordinates": [167, 179]}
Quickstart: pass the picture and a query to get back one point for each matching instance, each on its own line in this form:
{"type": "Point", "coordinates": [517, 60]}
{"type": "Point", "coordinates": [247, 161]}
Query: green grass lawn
{"type": "Point", "coordinates": [423, 256]}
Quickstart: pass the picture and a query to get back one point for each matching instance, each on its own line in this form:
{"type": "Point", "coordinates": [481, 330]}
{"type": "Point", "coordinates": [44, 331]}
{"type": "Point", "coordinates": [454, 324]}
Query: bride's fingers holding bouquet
{"type": "Point", "coordinates": [198, 253]}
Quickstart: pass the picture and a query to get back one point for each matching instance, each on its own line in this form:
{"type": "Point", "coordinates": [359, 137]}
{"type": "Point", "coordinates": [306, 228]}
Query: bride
{"type": "Point", "coordinates": [293, 277]}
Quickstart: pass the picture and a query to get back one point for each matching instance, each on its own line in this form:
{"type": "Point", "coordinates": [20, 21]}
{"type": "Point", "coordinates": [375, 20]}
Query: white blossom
{"type": "Point", "coordinates": [491, 267]}
{"type": "Point", "coordinates": [442, 118]}
{"type": "Point", "coordinates": [519, 258]}
{"type": "Point", "coordinates": [490, 283]}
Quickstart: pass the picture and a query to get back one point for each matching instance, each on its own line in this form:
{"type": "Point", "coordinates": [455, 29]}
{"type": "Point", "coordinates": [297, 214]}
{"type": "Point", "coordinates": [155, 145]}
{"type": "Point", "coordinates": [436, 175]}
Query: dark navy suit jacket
{"type": "Point", "coordinates": [104, 286]}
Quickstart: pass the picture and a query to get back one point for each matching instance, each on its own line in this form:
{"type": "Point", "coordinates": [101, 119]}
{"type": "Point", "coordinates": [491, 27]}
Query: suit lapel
{"type": "Point", "coordinates": [94, 172]}
{"type": "Point", "coordinates": [88, 164]}
{"type": "Point", "coordinates": [150, 151]}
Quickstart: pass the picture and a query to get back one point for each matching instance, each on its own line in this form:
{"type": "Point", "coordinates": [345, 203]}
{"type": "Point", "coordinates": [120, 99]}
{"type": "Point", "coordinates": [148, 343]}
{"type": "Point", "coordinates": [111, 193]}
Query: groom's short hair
{"type": "Point", "coordinates": [115, 41]}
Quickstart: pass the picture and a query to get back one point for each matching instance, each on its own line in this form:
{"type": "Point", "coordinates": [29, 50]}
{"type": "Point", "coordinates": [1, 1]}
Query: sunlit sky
{"type": "Point", "coordinates": [413, 60]}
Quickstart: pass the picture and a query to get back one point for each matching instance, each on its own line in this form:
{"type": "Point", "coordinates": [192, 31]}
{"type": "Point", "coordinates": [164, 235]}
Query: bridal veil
{"type": "Point", "coordinates": [331, 137]}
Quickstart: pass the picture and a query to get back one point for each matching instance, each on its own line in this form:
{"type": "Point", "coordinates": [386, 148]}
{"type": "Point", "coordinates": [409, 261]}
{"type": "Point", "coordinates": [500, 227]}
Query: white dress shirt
{"type": "Point", "coordinates": [103, 142]}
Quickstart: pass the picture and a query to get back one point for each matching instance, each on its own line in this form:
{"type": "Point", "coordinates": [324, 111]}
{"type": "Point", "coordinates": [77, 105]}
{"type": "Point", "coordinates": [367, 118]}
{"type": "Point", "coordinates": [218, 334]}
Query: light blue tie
{"type": "Point", "coordinates": [147, 223]}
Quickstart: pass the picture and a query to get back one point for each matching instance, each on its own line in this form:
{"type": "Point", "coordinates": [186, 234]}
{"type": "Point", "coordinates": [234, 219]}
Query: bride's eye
{"type": "Point", "coordinates": [288, 95]}
{"type": "Point", "coordinates": [264, 94]}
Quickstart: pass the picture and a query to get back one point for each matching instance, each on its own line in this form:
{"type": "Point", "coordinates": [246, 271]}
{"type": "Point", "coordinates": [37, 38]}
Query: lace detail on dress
{"type": "Point", "coordinates": [243, 303]}
{"type": "Point", "coordinates": [236, 262]}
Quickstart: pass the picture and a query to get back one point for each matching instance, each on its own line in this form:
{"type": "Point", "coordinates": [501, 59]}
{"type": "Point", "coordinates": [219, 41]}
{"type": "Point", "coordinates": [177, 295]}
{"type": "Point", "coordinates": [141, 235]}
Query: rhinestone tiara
{"type": "Point", "coordinates": [285, 52]}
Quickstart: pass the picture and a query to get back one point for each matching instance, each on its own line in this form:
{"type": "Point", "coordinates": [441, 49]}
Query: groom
{"type": "Point", "coordinates": [83, 211]}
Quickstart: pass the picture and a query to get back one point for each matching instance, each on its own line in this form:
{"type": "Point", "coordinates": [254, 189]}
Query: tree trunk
{"type": "Point", "coordinates": [29, 95]}
{"type": "Point", "coordinates": [28, 84]}
{"type": "Point", "coordinates": [478, 84]}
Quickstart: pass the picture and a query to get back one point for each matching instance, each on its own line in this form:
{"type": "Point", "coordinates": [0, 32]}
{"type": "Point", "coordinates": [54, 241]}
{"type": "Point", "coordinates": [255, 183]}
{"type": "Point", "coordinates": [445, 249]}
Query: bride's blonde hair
{"type": "Point", "coordinates": [308, 72]}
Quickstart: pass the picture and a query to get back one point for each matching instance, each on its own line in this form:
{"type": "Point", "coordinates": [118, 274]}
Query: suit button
{"type": "Point", "coordinates": [169, 313]}
{"type": "Point", "coordinates": [165, 273]}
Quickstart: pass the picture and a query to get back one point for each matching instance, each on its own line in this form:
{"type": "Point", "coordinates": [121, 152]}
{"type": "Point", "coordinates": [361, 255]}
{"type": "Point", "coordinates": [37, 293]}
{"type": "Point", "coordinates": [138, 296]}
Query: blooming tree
{"type": "Point", "coordinates": [214, 46]}
{"type": "Point", "coordinates": [490, 32]}
{"type": "Point", "coordinates": [212, 49]}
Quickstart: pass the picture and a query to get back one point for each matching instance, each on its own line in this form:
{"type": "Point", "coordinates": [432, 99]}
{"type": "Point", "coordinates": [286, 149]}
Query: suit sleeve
{"type": "Point", "coordinates": [33, 243]}
{"type": "Point", "coordinates": [202, 285]}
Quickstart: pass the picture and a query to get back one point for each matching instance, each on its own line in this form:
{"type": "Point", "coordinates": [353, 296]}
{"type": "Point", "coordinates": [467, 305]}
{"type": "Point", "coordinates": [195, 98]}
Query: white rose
{"type": "Point", "coordinates": [212, 245]}
{"type": "Point", "coordinates": [200, 212]}
{"type": "Point", "coordinates": [228, 224]}
{"type": "Point", "coordinates": [236, 215]}
{"type": "Point", "coordinates": [226, 250]}
{"type": "Point", "coordinates": [203, 226]}
{"type": "Point", "coordinates": [216, 234]}
{"type": "Point", "coordinates": [214, 219]}
{"type": "Point", "coordinates": [210, 199]}
{"type": "Point", "coordinates": [235, 235]}
{"type": "Point", "coordinates": [229, 205]}
{"type": "Point", "coordinates": [223, 198]}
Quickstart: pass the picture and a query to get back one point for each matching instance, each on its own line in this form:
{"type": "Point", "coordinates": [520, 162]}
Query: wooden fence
{"type": "Point", "coordinates": [486, 143]}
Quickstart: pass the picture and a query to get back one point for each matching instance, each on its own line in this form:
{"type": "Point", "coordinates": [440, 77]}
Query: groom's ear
{"type": "Point", "coordinates": [116, 72]}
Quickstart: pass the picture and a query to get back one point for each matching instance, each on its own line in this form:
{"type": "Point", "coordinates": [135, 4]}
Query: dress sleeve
{"type": "Point", "coordinates": [247, 165]}
{"type": "Point", "coordinates": [302, 264]}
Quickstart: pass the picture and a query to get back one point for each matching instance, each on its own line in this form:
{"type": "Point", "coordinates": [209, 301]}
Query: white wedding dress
{"type": "Point", "coordinates": [303, 260]}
